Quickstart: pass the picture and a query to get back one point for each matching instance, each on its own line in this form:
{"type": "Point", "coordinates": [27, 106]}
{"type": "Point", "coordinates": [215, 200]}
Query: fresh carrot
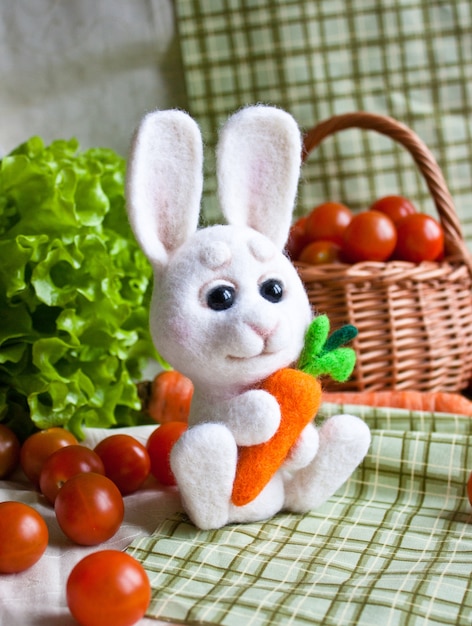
{"type": "Point", "coordinates": [299, 396]}
{"type": "Point", "coordinates": [430, 401]}
{"type": "Point", "coordinates": [170, 397]}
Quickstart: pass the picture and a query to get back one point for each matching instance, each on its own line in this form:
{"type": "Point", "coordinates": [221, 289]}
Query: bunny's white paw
{"type": "Point", "coordinates": [204, 463]}
{"type": "Point", "coordinates": [304, 450]}
{"type": "Point", "coordinates": [343, 442]}
{"type": "Point", "coordinates": [253, 417]}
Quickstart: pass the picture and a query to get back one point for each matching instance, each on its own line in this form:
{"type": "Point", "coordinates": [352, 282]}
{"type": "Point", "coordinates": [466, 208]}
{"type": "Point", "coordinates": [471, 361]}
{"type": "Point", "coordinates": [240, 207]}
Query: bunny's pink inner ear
{"type": "Point", "coordinates": [164, 182]}
{"type": "Point", "coordinates": [258, 167]}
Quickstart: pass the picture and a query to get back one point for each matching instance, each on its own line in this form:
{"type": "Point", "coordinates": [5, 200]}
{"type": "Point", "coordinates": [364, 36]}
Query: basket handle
{"type": "Point", "coordinates": [424, 159]}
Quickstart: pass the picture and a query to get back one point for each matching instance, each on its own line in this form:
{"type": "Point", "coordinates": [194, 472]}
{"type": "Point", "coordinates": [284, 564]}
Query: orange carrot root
{"type": "Point", "coordinates": [433, 401]}
{"type": "Point", "coordinates": [299, 396]}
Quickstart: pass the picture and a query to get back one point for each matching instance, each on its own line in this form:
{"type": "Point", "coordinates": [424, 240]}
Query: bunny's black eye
{"type": "Point", "coordinates": [272, 290]}
{"type": "Point", "coordinates": [221, 298]}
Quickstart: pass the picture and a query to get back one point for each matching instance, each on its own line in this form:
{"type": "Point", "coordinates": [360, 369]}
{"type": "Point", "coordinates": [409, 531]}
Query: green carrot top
{"type": "Point", "coordinates": [325, 354]}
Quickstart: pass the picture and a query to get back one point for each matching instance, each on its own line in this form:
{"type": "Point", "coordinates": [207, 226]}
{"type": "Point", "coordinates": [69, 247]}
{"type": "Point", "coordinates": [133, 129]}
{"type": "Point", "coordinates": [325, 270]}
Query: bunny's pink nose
{"type": "Point", "coordinates": [262, 331]}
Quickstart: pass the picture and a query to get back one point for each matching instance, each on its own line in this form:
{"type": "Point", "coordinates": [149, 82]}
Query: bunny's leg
{"type": "Point", "coordinates": [343, 443]}
{"type": "Point", "coordinates": [203, 461]}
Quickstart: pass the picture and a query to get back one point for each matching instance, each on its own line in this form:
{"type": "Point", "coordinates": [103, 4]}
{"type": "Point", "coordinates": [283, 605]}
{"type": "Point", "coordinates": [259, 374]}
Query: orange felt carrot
{"type": "Point", "coordinates": [431, 401]}
{"type": "Point", "coordinates": [299, 396]}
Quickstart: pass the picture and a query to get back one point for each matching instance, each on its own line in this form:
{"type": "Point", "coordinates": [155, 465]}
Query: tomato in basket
{"type": "Point", "coordinates": [319, 252]}
{"type": "Point", "coordinates": [370, 236]}
{"type": "Point", "coordinates": [327, 222]}
{"type": "Point", "coordinates": [297, 238]}
{"type": "Point", "coordinates": [395, 207]}
{"type": "Point", "coordinates": [420, 238]}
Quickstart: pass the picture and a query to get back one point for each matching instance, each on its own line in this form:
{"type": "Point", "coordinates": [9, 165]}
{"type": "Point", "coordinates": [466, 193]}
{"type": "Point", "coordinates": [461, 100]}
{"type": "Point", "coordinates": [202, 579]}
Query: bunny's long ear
{"type": "Point", "coordinates": [164, 182]}
{"type": "Point", "coordinates": [258, 167]}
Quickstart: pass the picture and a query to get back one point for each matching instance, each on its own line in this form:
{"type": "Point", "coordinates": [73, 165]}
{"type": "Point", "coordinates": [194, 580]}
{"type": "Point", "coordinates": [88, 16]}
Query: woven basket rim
{"type": "Point", "coordinates": [404, 270]}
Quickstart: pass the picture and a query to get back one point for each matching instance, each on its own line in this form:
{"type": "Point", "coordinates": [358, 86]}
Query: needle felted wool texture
{"type": "Point", "coordinates": [156, 181]}
{"type": "Point", "coordinates": [272, 181]}
{"type": "Point", "coordinates": [299, 397]}
{"type": "Point", "coordinates": [298, 393]}
{"type": "Point", "coordinates": [229, 310]}
{"type": "Point", "coordinates": [325, 354]}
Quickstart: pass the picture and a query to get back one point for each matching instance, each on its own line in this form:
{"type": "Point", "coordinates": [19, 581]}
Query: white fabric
{"type": "Point", "coordinates": [36, 597]}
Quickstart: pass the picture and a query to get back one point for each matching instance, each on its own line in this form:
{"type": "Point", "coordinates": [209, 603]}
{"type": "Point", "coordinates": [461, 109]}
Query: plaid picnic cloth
{"type": "Point", "coordinates": [392, 547]}
{"type": "Point", "coordinates": [410, 60]}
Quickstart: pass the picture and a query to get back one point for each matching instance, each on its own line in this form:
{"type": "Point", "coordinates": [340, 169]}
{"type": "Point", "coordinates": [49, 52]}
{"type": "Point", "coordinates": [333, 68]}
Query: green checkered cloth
{"type": "Point", "coordinates": [409, 59]}
{"type": "Point", "coordinates": [392, 547]}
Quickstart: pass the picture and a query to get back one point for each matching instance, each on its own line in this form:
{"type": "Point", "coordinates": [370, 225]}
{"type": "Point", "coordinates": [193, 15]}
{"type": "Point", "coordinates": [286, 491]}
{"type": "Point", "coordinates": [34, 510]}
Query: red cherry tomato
{"type": "Point", "coordinates": [328, 221]}
{"type": "Point", "coordinates": [108, 588]}
{"type": "Point", "coordinates": [89, 508]}
{"type": "Point", "coordinates": [38, 447]}
{"type": "Point", "coordinates": [65, 463]}
{"type": "Point", "coordinates": [23, 537]}
{"type": "Point", "coordinates": [126, 461]}
{"type": "Point", "coordinates": [469, 489]}
{"type": "Point", "coordinates": [297, 238]}
{"type": "Point", "coordinates": [319, 252]}
{"type": "Point", "coordinates": [395, 207]}
{"type": "Point", "coordinates": [159, 446]}
{"type": "Point", "coordinates": [420, 238]}
{"type": "Point", "coordinates": [9, 451]}
{"type": "Point", "coordinates": [370, 236]}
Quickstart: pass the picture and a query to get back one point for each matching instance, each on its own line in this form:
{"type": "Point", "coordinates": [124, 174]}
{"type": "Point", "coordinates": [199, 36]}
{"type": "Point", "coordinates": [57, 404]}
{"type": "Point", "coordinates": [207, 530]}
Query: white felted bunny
{"type": "Point", "coordinates": [229, 309]}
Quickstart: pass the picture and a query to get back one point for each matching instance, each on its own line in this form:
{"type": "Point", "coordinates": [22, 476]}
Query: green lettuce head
{"type": "Point", "coordinates": [74, 291]}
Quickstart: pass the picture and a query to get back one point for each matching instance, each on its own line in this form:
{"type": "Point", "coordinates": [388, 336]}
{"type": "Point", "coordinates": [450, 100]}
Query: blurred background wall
{"type": "Point", "coordinates": [86, 68]}
{"type": "Point", "coordinates": [91, 68]}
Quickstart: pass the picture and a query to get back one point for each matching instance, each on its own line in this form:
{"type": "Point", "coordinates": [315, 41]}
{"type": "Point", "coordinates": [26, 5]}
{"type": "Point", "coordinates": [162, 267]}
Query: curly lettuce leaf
{"type": "Point", "coordinates": [74, 291]}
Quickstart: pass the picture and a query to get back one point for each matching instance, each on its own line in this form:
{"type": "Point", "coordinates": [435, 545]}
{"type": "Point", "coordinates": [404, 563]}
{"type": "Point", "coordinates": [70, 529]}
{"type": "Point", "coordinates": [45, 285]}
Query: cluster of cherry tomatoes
{"type": "Point", "coordinates": [392, 228]}
{"type": "Point", "coordinates": [86, 487]}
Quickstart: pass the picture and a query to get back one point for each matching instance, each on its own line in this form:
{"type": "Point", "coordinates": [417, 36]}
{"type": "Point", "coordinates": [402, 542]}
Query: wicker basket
{"type": "Point", "coordinates": [414, 320]}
